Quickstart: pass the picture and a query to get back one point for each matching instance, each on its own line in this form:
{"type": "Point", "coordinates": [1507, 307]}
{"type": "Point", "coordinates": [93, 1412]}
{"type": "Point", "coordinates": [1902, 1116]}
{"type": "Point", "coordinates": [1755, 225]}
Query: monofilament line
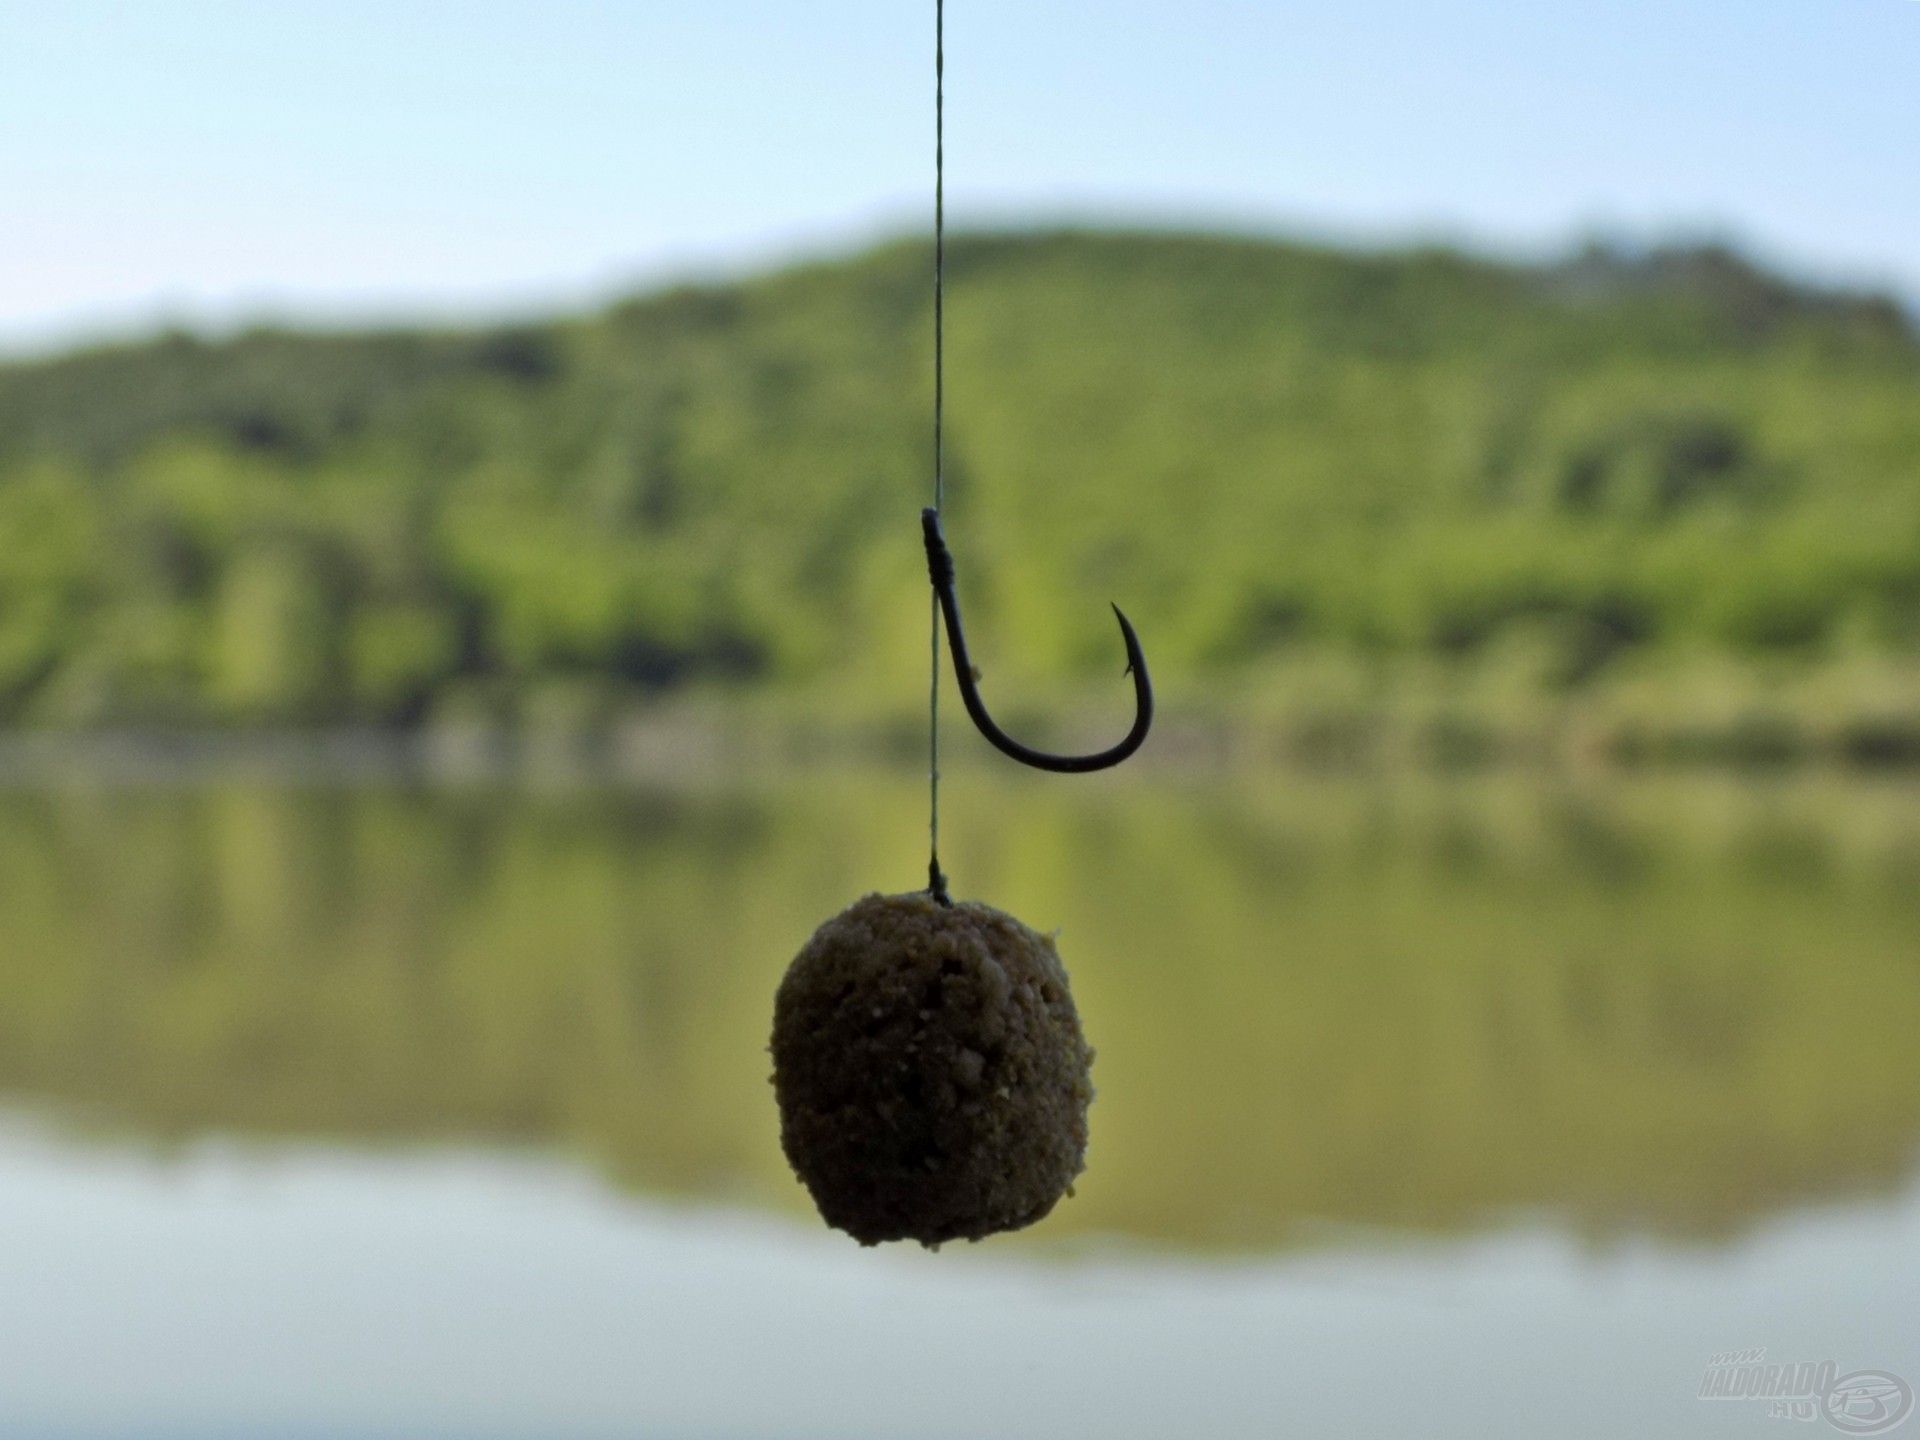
{"type": "Point", "coordinates": [937, 882]}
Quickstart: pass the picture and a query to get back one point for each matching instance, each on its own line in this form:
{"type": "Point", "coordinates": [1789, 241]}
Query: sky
{"type": "Point", "coordinates": [213, 162]}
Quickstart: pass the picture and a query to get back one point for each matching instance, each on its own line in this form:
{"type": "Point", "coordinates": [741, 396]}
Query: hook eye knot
{"type": "Point", "coordinates": [939, 558]}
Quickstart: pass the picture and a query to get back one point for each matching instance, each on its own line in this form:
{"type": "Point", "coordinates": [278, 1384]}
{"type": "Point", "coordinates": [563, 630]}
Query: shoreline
{"type": "Point", "coordinates": [694, 749]}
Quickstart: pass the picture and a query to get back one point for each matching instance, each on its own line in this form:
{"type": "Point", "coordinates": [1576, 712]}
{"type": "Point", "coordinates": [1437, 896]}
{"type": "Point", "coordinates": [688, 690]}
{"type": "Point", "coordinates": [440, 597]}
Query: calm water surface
{"type": "Point", "coordinates": [1488, 1107]}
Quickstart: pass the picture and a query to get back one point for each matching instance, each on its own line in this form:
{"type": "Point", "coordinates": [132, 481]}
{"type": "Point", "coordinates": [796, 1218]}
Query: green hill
{"type": "Point", "coordinates": [1300, 470]}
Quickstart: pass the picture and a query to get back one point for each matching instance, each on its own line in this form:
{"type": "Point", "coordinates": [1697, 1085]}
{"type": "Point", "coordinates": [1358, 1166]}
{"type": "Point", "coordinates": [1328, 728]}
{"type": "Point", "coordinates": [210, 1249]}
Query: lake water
{"type": "Point", "coordinates": [1475, 1107]}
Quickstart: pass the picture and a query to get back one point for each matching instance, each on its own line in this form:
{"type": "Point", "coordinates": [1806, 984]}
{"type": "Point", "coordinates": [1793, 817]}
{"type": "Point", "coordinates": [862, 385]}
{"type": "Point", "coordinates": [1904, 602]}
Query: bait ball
{"type": "Point", "coordinates": [932, 1079]}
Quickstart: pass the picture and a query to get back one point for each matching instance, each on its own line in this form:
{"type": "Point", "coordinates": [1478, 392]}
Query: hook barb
{"type": "Point", "coordinates": [940, 571]}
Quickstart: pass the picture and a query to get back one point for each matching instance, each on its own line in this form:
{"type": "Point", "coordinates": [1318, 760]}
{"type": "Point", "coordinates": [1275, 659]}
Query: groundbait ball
{"type": "Point", "coordinates": [932, 1079]}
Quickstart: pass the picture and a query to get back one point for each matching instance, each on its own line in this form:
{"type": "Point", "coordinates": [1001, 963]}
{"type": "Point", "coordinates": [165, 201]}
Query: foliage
{"type": "Point", "coordinates": [1264, 449]}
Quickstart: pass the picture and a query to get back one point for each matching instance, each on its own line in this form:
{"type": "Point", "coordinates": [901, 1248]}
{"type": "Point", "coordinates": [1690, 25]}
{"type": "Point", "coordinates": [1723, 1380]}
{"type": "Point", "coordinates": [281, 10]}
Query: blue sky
{"type": "Point", "coordinates": [203, 161]}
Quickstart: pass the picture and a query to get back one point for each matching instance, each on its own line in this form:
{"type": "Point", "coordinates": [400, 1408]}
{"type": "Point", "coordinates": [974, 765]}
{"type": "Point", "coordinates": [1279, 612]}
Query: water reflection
{"type": "Point", "coordinates": [1670, 1006]}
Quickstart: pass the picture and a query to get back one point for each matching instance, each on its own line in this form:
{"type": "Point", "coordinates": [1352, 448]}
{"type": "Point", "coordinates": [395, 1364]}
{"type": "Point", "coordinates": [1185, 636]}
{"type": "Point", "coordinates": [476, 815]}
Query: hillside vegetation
{"type": "Point", "coordinates": [1303, 472]}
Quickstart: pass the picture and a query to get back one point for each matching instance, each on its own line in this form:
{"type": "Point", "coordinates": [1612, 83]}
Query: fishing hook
{"type": "Point", "coordinates": [940, 571]}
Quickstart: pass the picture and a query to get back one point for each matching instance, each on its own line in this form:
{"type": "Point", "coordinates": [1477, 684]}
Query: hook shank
{"type": "Point", "coordinates": [941, 572]}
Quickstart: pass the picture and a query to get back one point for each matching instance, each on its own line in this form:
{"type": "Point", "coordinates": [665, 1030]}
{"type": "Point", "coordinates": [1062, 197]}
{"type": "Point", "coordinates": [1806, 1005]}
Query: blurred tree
{"type": "Point", "coordinates": [277, 636]}
{"type": "Point", "coordinates": [1267, 451]}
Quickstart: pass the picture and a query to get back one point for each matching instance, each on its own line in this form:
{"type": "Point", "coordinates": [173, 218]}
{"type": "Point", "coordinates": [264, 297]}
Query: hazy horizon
{"type": "Point", "coordinates": [203, 163]}
{"type": "Point", "coordinates": [557, 305]}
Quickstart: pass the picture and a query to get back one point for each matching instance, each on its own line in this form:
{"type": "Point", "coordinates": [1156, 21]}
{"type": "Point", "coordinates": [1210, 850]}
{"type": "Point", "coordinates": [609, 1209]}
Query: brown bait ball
{"type": "Point", "coordinates": [932, 1079]}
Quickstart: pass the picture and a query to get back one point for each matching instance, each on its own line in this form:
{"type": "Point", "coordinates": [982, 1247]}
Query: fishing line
{"type": "Point", "coordinates": [937, 882]}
